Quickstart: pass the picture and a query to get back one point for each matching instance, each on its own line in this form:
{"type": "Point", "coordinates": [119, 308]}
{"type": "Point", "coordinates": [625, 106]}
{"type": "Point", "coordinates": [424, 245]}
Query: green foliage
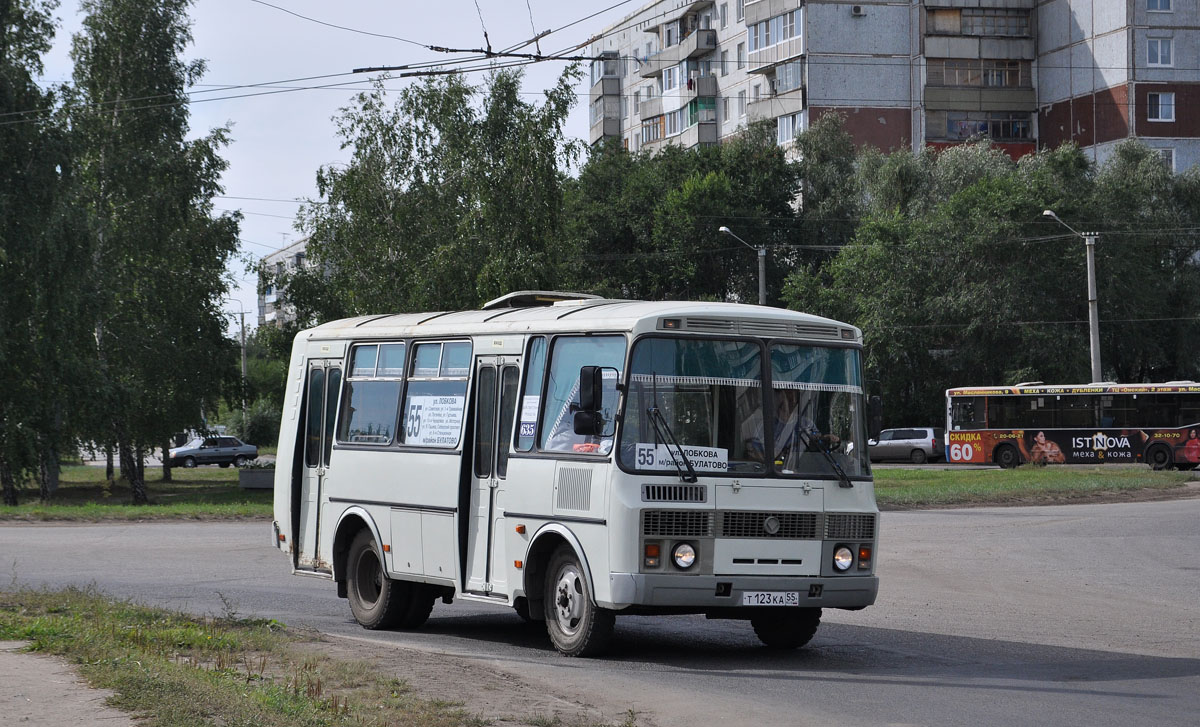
{"type": "Point", "coordinates": [956, 278]}
{"type": "Point", "coordinates": [452, 196]}
{"type": "Point", "coordinates": [157, 255]}
{"type": "Point", "coordinates": [260, 425]}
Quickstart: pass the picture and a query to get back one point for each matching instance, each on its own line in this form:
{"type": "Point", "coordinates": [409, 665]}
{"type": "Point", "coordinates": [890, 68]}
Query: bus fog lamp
{"type": "Point", "coordinates": [843, 558]}
{"type": "Point", "coordinates": [684, 555]}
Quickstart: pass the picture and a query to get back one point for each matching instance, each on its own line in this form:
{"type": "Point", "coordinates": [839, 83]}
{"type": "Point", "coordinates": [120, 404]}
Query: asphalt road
{"type": "Point", "coordinates": [1074, 615]}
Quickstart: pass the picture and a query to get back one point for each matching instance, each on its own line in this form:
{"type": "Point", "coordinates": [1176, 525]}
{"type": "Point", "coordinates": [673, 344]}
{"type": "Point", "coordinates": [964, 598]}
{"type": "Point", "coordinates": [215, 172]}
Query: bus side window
{"type": "Point", "coordinates": [535, 371]}
{"type": "Point", "coordinates": [569, 354]}
{"type": "Point", "coordinates": [436, 396]}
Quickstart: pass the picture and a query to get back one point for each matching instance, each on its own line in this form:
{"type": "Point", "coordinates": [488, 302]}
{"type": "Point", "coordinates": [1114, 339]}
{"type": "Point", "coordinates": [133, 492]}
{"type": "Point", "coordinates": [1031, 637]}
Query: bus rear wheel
{"type": "Point", "coordinates": [787, 629]}
{"type": "Point", "coordinates": [1006, 456]}
{"type": "Point", "coordinates": [376, 601]}
{"type": "Point", "coordinates": [577, 626]}
{"type": "Point", "coordinates": [1159, 457]}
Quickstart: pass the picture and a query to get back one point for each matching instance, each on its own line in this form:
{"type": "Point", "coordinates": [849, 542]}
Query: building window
{"type": "Point", "coordinates": [998, 126]}
{"type": "Point", "coordinates": [1158, 51]}
{"type": "Point", "coordinates": [741, 9]}
{"type": "Point", "coordinates": [786, 127]}
{"type": "Point", "coordinates": [757, 92]}
{"type": "Point", "coordinates": [724, 13]}
{"type": "Point", "coordinates": [742, 103]}
{"type": "Point", "coordinates": [724, 63]}
{"type": "Point", "coordinates": [1168, 158]}
{"type": "Point", "coordinates": [741, 55]}
{"type": "Point", "coordinates": [789, 76]}
{"type": "Point", "coordinates": [1160, 106]}
{"type": "Point", "coordinates": [725, 110]}
{"type": "Point", "coordinates": [1162, 6]}
{"type": "Point", "coordinates": [670, 78]}
{"type": "Point", "coordinates": [976, 73]}
{"type": "Point", "coordinates": [652, 130]}
{"type": "Point", "coordinates": [989, 21]}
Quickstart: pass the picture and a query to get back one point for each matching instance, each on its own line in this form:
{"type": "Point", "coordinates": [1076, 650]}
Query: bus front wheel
{"type": "Point", "coordinates": [577, 626]}
{"type": "Point", "coordinates": [376, 601]}
{"type": "Point", "coordinates": [1007, 457]}
{"type": "Point", "coordinates": [1159, 457]}
{"type": "Point", "coordinates": [788, 629]}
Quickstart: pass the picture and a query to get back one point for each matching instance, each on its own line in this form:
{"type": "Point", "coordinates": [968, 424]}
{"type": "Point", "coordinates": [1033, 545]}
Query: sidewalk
{"type": "Point", "coordinates": [42, 691]}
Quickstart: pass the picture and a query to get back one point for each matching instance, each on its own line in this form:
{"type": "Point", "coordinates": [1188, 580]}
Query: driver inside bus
{"type": "Point", "coordinates": [792, 426]}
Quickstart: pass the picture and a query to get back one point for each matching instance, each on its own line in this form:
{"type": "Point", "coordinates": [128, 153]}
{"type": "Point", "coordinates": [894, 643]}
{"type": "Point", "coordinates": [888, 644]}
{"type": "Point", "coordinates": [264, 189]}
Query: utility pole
{"type": "Point", "coordinates": [1089, 242]}
{"type": "Point", "coordinates": [762, 264]}
{"type": "Point", "coordinates": [242, 313]}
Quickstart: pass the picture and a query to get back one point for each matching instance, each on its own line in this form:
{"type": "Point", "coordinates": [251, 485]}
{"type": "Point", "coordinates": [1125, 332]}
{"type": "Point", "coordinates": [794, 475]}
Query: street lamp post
{"type": "Point", "coordinates": [762, 264]}
{"type": "Point", "coordinates": [1089, 241]}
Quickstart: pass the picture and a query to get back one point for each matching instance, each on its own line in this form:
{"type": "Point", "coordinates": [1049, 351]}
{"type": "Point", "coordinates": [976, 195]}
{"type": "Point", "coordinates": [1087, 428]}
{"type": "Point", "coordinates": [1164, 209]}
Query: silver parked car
{"type": "Point", "coordinates": [221, 450]}
{"type": "Point", "coordinates": [916, 445]}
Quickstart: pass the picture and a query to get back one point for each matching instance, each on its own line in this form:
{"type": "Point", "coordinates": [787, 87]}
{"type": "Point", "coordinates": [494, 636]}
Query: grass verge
{"type": "Point", "coordinates": [173, 670]}
{"type": "Point", "coordinates": [1031, 484]}
{"type": "Point", "coordinates": [208, 493]}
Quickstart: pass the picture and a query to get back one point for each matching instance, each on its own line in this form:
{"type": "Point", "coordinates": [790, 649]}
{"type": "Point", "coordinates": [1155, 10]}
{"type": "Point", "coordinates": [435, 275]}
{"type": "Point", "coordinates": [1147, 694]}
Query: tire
{"type": "Point", "coordinates": [918, 456]}
{"type": "Point", "coordinates": [420, 605]}
{"type": "Point", "coordinates": [223, 465]}
{"type": "Point", "coordinates": [577, 626]}
{"type": "Point", "coordinates": [1006, 456]}
{"type": "Point", "coordinates": [241, 460]}
{"type": "Point", "coordinates": [1159, 458]}
{"type": "Point", "coordinates": [376, 601]}
{"type": "Point", "coordinates": [787, 629]}
{"type": "Point", "coordinates": [189, 462]}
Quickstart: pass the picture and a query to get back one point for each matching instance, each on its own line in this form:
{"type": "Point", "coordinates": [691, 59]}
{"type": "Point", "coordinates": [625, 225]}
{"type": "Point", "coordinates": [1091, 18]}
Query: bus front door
{"type": "Point", "coordinates": [320, 405]}
{"type": "Point", "coordinates": [496, 379]}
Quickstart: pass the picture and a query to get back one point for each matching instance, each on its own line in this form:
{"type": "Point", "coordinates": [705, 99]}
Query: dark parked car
{"type": "Point", "coordinates": [222, 450]}
{"type": "Point", "coordinates": [916, 445]}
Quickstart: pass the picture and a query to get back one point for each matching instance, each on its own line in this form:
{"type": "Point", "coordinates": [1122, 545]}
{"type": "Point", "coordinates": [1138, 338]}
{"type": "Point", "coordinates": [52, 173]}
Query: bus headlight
{"type": "Point", "coordinates": [843, 558]}
{"type": "Point", "coordinates": [684, 555]}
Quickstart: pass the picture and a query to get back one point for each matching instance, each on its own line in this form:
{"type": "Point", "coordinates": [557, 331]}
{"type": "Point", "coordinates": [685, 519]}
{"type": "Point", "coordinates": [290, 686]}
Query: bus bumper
{"type": "Point", "coordinates": [717, 592]}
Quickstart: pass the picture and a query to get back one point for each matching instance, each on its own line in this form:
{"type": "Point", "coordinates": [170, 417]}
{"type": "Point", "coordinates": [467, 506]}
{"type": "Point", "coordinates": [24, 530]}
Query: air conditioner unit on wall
{"type": "Point", "coordinates": [858, 11]}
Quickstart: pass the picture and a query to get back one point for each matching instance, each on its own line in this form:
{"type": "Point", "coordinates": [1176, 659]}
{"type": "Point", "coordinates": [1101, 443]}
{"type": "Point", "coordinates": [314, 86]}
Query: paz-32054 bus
{"type": "Point", "coordinates": [578, 458]}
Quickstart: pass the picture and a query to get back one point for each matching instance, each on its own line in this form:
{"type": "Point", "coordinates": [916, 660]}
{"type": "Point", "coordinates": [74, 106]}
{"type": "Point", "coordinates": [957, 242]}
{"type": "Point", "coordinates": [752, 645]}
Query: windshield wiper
{"type": "Point", "coordinates": [664, 434]}
{"type": "Point", "coordinates": [806, 440]}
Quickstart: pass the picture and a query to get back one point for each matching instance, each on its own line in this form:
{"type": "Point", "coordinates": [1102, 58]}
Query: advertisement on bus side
{"type": "Point", "coordinates": [1073, 446]}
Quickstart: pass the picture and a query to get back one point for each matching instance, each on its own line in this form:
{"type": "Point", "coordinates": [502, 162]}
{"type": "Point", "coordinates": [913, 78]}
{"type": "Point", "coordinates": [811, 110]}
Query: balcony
{"type": "Point", "coordinates": [608, 86]}
{"type": "Point", "coordinates": [696, 44]}
{"type": "Point", "coordinates": [701, 86]}
{"type": "Point", "coordinates": [704, 132]}
{"type": "Point", "coordinates": [650, 108]}
{"type": "Point", "coordinates": [604, 127]}
{"type": "Point", "coordinates": [762, 60]}
{"type": "Point", "coordinates": [959, 98]}
{"type": "Point", "coordinates": [770, 107]}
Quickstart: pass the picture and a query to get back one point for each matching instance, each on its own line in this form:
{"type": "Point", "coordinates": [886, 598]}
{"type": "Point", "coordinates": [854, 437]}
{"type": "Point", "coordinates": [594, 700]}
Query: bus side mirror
{"type": "Point", "coordinates": [591, 388]}
{"type": "Point", "coordinates": [875, 417]}
{"type": "Point", "coordinates": [595, 414]}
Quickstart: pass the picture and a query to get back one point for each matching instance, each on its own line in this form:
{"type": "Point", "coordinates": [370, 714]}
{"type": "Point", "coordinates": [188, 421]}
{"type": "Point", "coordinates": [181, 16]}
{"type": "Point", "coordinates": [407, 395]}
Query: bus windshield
{"type": "Point", "coordinates": [711, 396]}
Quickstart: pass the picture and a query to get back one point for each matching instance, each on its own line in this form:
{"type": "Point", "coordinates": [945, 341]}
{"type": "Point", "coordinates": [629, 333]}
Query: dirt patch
{"type": "Point", "coordinates": [42, 691]}
{"type": "Point", "coordinates": [1187, 491]}
{"type": "Point", "coordinates": [500, 697]}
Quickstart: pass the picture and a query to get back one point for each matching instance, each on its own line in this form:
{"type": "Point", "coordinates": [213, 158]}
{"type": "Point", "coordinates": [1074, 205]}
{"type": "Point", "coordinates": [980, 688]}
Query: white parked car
{"type": "Point", "coordinates": [916, 445]}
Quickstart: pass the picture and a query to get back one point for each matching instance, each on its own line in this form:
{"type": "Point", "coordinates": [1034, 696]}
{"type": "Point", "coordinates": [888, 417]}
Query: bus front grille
{"type": "Point", "coordinates": [677, 523]}
{"type": "Point", "coordinates": [791, 525]}
{"type": "Point", "coordinates": [849, 526]}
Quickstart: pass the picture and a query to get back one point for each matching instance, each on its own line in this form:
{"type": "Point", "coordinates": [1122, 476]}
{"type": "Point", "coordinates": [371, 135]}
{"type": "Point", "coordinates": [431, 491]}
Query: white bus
{"type": "Point", "coordinates": [577, 458]}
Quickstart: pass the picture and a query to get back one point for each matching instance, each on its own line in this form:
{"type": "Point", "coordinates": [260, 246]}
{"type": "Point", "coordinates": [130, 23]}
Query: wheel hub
{"type": "Point", "coordinates": [568, 600]}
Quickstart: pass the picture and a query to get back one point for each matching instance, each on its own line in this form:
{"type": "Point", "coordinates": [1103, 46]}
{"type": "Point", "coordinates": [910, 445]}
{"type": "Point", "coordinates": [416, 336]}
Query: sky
{"type": "Point", "coordinates": [280, 139]}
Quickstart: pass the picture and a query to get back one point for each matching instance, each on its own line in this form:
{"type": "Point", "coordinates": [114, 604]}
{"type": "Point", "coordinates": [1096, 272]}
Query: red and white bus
{"type": "Point", "coordinates": [1158, 424]}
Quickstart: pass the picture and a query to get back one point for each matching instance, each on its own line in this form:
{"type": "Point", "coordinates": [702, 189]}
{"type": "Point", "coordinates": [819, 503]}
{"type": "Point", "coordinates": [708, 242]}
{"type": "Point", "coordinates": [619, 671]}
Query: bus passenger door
{"type": "Point", "coordinates": [320, 405]}
{"type": "Point", "coordinates": [496, 380]}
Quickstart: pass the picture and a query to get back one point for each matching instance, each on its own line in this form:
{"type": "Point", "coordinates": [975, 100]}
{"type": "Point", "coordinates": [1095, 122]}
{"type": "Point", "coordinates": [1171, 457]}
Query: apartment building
{"type": "Point", "coordinates": [1023, 73]}
{"type": "Point", "coordinates": [271, 309]}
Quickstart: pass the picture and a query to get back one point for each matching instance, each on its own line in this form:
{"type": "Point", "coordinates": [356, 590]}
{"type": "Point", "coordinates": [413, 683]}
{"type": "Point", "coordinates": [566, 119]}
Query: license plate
{"type": "Point", "coordinates": [771, 598]}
